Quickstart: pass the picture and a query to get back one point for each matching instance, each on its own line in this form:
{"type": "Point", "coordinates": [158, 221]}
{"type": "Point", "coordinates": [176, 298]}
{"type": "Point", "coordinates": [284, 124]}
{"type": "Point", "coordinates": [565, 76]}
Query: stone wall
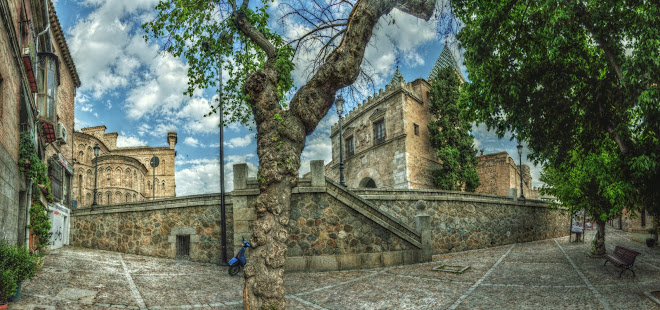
{"type": "Point", "coordinates": [464, 221]}
{"type": "Point", "coordinates": [151, 228]}
{"type": "Point", "coordinates": [10, 99]}
{"type": "Point", "coordinates": [498, 173]}
{"type": "Point", "coordinates": [330, 227]}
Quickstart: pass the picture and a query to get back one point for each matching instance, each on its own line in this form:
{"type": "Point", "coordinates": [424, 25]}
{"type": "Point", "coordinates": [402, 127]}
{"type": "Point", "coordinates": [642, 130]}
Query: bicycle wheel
{"type": "Point", "coordinates": [234, 269]}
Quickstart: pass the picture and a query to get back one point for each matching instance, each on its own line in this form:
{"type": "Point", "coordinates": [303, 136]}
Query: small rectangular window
{"type": "Point", "coordinates": [182, 246]}
{"type": "Point", "coordinates": [379, 132]}
{"type": "Point", "coordinates": [350, 147]}
{"type": "Point", "coordinates": [416, 129]}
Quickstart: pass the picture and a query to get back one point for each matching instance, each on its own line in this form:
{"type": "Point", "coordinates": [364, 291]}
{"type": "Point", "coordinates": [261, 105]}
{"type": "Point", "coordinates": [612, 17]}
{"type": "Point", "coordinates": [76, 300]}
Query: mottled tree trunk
{"type": "Point", "coordinates": [599, 243]}
{"type": "Point", "coordinates": [281, 138]}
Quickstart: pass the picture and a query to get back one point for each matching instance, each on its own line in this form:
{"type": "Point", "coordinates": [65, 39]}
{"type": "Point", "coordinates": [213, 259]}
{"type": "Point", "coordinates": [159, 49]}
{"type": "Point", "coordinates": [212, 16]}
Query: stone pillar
{"type": "Point", "coordinates": [423, 226]}
{"type": "Point", "coordinates": [243, 213]}
{"type": "Point", "coordinates": [317, 170]}
{"type": "Point", "coordinates": [240, 176]}
{"type": "Point", "coordinates": [513, 193]}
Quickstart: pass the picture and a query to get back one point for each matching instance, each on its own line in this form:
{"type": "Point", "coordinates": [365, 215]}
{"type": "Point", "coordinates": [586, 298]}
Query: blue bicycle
{"type": "Point", "coordinates": [238, 262]}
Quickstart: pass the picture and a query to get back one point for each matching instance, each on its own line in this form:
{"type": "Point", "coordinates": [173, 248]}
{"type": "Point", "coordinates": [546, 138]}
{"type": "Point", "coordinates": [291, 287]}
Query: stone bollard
{"type": "Point", "coordinates": [513, 193]}
{"type": "Point", "coordinates": [317, 170]}
{"type": "Point", "coordinates": [240, 176]}
{"type": "Point", "coordinates": [423, 226]}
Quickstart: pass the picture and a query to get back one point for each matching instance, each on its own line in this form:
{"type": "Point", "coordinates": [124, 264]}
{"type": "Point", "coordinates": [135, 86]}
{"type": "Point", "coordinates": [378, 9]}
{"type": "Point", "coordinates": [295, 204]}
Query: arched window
{"type": "Point", "coordinates": [128, 197]}
{"type": "Point", "coordinates": [80, 186]}
{"type": "Point", "coordinates": [89, 179]}
{"type": "Point", "coordinates": [149, 185]}
{"type": "Point", "coordinates": [127, 178]}
{"type": "Point", "coordinates": [81, 156]}
{"type": "Point", "coordinates": [117, 197]}
{"type": "Point", "coordinates": [108, 176]}
{"type": "Point", "coordinates": [163, 187]}
{"type": "Point", "coordinates": [134, 197]}
{"type": "Point", "coordinates": [109, 195]}
{"type": "Point", "coordinates": [117, 181]}
{"type": "Point", "coordinates": [89, 154]}
{"type": "Point", "coordinates": [368, 183]}
{"type": "Point", "coordinates": [88, 199]}
{"type": "Point", "coordinates": [100, 195]}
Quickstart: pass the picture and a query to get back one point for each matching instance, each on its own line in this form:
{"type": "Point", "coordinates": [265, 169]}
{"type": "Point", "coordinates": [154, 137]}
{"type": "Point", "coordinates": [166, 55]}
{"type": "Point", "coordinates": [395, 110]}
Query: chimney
{"type": "Point", "coordinates": [171, 139]}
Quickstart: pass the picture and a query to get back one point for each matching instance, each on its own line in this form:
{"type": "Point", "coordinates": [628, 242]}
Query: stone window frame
{"type": "Point", "coordinates": [379, 131]}
{"type": "Point", "coordinates": [350, 146]}
{"type": "Point", "coordinates": [416, 129]}
{"type": "Point", "coordinates": [186, 230]}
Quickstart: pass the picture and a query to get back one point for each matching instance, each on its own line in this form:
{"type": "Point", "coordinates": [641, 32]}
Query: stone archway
{"type": "Point", "coordinates": [367, 183]}
{"type": "Point", "coordinates": [363, 177]}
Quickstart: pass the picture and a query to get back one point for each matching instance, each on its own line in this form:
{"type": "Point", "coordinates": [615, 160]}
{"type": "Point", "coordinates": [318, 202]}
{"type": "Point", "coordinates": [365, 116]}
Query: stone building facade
{"type": "Point", "coordinates": [124, 173]}
{"type": "Point", "coordinates": [499, 174]}
{"type": "Point", "coordinates": [387, 145]}
{"type": "Point", "coordinates": [37, 89]}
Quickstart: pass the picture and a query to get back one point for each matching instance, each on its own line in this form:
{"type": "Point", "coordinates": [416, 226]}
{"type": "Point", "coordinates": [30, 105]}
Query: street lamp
{"type": "Point", "coordinates": [226, 38]}
{"type": "Point", "coordinates": [97, 149]}
{"type": "Point", "coordinates": [520, 147]}
{"type": "Point", "coordinates": [339, 104]}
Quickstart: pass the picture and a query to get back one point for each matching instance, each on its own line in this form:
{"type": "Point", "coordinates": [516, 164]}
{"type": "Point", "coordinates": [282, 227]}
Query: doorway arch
{"type": "Point", "coordinates": [368, 183]}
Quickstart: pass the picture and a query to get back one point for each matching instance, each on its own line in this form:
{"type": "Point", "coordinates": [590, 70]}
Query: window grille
{"type": "Point", "coordinates": [350, 147]}
{"type": "Point", "coordinates": [183, 246]}
{"type": "Point", "coordinates": [379, 132]}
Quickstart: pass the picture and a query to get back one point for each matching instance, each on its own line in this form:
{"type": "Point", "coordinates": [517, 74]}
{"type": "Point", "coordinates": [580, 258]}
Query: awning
{"type": "Point", "coordinates": [65, 163]}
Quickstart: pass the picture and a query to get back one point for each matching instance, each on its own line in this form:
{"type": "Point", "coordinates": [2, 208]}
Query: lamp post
{"type": "Point", "coordinates": [226, 38]}
{"type": "Point", "coordinates": [339, 104]}
{"type": "Point", "coordinates": [520, 147]}
{"type": "Point", "coordinates": [97, 149]}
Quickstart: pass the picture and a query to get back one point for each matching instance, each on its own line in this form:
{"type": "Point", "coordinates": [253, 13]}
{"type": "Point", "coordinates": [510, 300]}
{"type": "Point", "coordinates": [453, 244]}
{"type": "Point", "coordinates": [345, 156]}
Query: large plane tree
{"type": "Point", "coordinates": [259, 62]}
{"type": "Point", "coordinates": [572, 75]}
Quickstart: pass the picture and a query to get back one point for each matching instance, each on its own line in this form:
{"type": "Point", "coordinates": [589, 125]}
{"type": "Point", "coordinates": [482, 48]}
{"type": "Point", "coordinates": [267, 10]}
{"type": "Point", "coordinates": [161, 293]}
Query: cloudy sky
{"type": "Point", "coordinates": [133, 90]}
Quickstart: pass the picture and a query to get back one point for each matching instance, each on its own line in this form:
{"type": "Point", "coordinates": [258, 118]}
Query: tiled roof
{"type": "Point", "coordinates": [397, 78]}
{"type": "Point", "coordinates": [61, 42]}
{"type": "Point", "coordinates": [446, 59]}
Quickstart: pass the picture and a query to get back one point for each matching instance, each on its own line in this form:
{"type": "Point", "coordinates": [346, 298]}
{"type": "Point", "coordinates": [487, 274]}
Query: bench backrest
{"type": "Point", "coordinates": [626, 255]}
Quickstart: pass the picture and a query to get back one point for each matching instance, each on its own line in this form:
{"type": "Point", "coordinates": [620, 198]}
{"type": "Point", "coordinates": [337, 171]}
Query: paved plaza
{"type": "Point", "coordinates": [549, 274]}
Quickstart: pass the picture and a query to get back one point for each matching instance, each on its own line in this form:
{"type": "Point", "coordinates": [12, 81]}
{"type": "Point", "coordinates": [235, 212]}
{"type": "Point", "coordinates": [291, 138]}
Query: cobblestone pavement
{"type": "Point", "coordinates": [550, 274]}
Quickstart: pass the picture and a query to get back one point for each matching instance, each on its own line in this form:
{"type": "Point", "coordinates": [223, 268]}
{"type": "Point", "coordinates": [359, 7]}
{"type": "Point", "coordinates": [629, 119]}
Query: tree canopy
{"type": "Point", "coordinates": [566, 75]}
{"type": "Point", "coordinates": [450, 134]}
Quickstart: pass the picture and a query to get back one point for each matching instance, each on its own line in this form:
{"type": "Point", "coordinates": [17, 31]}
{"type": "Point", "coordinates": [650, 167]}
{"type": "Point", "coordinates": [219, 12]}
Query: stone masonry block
{"type": "Point", "coordinates": [318, 172]}
{"type": "Point", "coordinates": [325, 262]}
{"type": "Point", "coordinates": [371, 259]}
{"type": "Point", "coordinates": [393, 258]}
{"type": "Point", "coordinates": [297, 263]}
{"type": "Point", "coordinates": [240, 176]}
{"type": "Point", "coordinates": [349, 261]}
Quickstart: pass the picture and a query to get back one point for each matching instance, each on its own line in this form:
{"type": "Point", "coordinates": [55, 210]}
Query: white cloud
{"type": "Point", "coordinates": [127, 141]}
{"type": "Point", "coordinates": [191, 141]}
{"type": "Point", "coordinates": [203, 176]}
{"type": "Point", "coordinates": [240, 141]}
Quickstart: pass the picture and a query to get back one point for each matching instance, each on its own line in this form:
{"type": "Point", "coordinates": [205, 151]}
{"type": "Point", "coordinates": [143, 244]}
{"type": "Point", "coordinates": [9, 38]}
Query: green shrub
{"type": "Point", "coordinates": [7, 285]}
{"type": "Point", "coordinates": [39, 224]}
{"type": "Point", "coordinates": [17, 259]}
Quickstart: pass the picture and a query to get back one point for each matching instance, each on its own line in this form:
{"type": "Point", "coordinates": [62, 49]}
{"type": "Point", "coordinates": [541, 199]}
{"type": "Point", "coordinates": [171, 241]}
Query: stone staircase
{"type": "Point", "coordinates": [374, 214]}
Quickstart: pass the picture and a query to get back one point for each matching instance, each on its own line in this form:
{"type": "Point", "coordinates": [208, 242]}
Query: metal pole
{"type": "Point", "coordinates": [222, 171]}
{"type": "Point", "coordinates": [341, 156]}
{"type": "Point", "coordinates": [96, 172]}
{"type": "Point", "coordinates": [522, 196]}
{"type": "Point", "coordinates": [153, 183]}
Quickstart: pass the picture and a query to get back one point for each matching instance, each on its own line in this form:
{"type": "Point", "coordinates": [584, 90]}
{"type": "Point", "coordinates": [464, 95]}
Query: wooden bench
{"type": "Point", "coordinates": [623, 258]}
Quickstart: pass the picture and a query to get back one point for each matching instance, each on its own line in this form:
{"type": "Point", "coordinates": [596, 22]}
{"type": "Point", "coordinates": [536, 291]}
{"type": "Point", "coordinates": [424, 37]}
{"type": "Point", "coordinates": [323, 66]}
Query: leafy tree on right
{"type": "Point", "coordinates": [579, 81]}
